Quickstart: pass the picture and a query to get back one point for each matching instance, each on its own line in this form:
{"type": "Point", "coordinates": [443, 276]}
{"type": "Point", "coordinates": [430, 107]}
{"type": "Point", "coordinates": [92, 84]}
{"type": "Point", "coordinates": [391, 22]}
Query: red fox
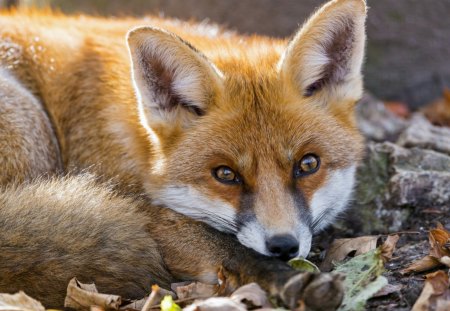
{"type": "Point", "coordinates": [230, 146]}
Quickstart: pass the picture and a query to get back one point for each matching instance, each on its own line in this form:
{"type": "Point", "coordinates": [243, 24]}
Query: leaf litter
{"type": "Point", "coordinates": [363, 281]}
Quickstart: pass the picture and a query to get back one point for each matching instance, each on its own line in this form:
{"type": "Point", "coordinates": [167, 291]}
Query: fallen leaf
{"type": "Point", "coordinates": [362, 279]}
{"type": "Point", "coordinates": [438, 112]}
{"type": "Point", "coordinates": [341, 248]}
{"type": "Point", "coordinates": [303, 265]}
{"type": "Point", "coordinates": [134, 304]}
{"type": "Point", "coordinates": [167, 304]}
{"type": "Point", "coordinates": [216, 304]}
{"type": "Point", "coordinates": [194, 289]}
{"type": "Point", "coordinates": [439, 239]}
{"type": "Point", "coordinates": [436, 285]}
{"type": "Point", "coordinates": [388, 247]}
{"type": "Point", "coordinates": [19, 302]}
{"type": "Point", "coordinates": [424, 264]}
{"type": "Point", "coordinates": [252, 296]}
{"type": "Point", "coordinates": [81, 296]}
{"type": "Point", "coordinates": [400, 109]}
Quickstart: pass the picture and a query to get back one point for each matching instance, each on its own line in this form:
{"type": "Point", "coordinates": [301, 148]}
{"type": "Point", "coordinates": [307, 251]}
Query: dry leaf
{"type": "Point", "coordinates": [438, 112]}
{"type": "Point", "coordinates": [19, 302]}
{"type": "Point", "coordinates": [436, 284]}
{"type": "Point", "coordinates": [400, 109]}
{"type": "Point", "coordinates": [438, 239]}
{"type": "Point", "coordinates": [388, 247]}
{"type": "Point", "coordinates": [134, 304]}
{"type": "Point", "coordinates": [424, 264]}
{"type": "Point", "coordinates": [81, 296]}
{"type": "Point", "coordinates": [251, 295]}
{"type": "Point", "coordinates": [216, 304]}
{"type": "Point", "coordinates": [194, 289]}
{"type": "Point", "coordinates": [341, 248]}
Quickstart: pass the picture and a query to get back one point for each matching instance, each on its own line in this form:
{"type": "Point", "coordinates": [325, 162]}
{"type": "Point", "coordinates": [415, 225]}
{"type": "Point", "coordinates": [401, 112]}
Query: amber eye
{"type": "Point", "coordinates": [309, 164]}
{"type": "Point", "coordinates": [226, 175]}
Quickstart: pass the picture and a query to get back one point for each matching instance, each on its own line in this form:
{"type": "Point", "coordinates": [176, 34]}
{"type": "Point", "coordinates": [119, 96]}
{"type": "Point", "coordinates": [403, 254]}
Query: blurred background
{"type": "Point", "coordinates": [408, 49]}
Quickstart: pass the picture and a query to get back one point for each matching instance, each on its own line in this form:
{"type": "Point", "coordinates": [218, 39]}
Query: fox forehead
{"type": "Point", "coordinates": [254, 128]}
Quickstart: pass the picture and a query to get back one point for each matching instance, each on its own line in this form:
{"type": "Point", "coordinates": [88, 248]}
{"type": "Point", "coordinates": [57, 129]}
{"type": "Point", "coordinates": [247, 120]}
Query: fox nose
{"type": "Point", "coordinates": [284, 247]}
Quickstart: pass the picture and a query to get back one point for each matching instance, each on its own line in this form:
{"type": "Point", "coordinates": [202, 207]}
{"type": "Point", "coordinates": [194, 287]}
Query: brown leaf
{"type": "Point", "coordinates": [194, 289]}
{"type": "Point", "coordinates": [81, 296]}
{"type": "Point", "coordinates": [400, 109]}
{"type": "Point", "coordinates": [424, 264]}
{"type": "Point", "coordinates": [439, 238]}
{"type": "Point", "coordinates": [341, 248]}
{"type": "Point", "coordinates": [216, 304]}
{"type": "Point", "coordinates": [436, 285]}
{"type": "Point", "coordinates": [388, 247]}
{"type": "Point", "coordinates": [19, 302]}
{"type": "Point", "coordinates": [251, 295]}
{"type": "Point", "coordinates": [439, 280]}
{"type": "Point", "coordinates": [438, 112]}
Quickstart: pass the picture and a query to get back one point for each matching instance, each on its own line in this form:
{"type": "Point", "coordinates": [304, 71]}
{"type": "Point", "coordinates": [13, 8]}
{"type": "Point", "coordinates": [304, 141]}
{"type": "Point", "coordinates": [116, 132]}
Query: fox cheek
{"type": "Point", "coordinates": [332, 198]}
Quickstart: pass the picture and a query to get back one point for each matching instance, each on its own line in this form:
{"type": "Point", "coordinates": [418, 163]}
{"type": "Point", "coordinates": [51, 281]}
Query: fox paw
{"type": "Point", "coordinates": [313, 291]}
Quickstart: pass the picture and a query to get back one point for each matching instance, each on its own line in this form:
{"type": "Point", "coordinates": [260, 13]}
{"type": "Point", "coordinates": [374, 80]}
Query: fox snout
{"type": "Point", "coordinates": [282, 242]}
{"type": "Point", "coordinates": [284, 247]}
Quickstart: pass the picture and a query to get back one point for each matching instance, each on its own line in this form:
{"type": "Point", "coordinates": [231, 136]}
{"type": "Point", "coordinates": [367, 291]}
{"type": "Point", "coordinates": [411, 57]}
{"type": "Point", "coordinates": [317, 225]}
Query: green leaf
{"type": "Point", "coordinates": [167, 304]}
{"type": "Point", "coordinates": [362, 279]}
{"type": "Point", "coordinates": [303, 265]}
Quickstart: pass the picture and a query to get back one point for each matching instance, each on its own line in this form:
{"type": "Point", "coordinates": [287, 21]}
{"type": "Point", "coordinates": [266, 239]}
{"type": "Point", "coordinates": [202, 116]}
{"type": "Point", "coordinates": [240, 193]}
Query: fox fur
{"type": "Point", "coordinates": [157, 114]}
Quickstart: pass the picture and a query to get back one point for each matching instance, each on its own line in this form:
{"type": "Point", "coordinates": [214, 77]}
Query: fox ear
{"type": "Point", "coordinates": [174, 82]}
{"type": "Point", "coordinates": [326, 55]}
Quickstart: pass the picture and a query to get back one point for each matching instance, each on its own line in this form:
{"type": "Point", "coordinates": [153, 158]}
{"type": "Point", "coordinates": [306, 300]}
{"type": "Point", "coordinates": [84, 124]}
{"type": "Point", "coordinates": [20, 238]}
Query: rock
{"type": "Point", "coordinates": [421, 178]}
{"type": "Point", "coordinates": [421, 133]}
{"type": "Point", "coordinates": [376, 122]}
{"type": "Point", "coordinates": [394, 182]}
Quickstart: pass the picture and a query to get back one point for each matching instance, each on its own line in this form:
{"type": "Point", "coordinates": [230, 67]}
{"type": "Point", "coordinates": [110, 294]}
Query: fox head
{"type": "Point", "coordinates": [257, 137]}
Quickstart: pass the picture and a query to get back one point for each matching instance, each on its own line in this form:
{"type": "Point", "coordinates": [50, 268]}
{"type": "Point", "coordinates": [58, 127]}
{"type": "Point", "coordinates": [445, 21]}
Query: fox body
{"type": "Point", "coordinates": [253, 136]}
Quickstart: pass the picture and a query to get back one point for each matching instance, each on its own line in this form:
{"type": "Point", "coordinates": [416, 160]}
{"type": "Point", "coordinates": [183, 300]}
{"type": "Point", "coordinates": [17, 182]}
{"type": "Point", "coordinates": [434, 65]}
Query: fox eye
{"type": "Point", "coordinates": [226, 175]}
{"type": "Point", "coordinates": [309, 164]}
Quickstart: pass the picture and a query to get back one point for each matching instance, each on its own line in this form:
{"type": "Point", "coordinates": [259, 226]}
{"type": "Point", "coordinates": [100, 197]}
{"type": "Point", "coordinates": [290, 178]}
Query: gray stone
{"type": "Point", "coordinates": [423, 134]}
{"type": "Point", "coordinates": [394, 182]}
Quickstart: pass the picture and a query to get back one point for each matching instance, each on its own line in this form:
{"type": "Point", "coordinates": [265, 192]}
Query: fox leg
{"type": "Point", "coordinates": [193, 250]}
{"type": "Point", "coordinates": [28, 147]}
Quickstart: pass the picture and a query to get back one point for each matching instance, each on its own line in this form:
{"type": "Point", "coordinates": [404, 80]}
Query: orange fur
{"type": "Point", "coordinates": [158, 109]}
{"type": "Point", "coordinates": [254, 104]}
